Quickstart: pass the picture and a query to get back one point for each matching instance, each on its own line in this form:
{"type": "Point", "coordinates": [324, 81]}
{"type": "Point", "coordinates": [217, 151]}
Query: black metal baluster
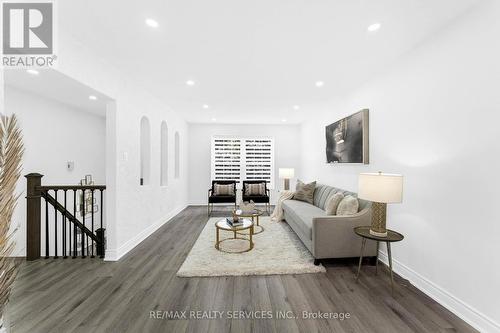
{"type": "Point", "coordinates": [93, 243]}
{"type": "Point", "coordinates": [102, 231]}
{"type": "Point", "coordinates": [46, 226]}
{"type": "Point", "coordinates": [74, 224]}
{"type": "Point", "coordinates": [83, 221]}
{"type": "Point", "coordinates": [65, 255]}
{"type": "Point", "coordinates": [55, 225]}
{"type": "Point", "coordinates": [69, 234]}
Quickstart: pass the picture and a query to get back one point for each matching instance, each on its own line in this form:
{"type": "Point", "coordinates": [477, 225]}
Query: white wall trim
{"type": "Point", "coordinates": [116, 254]}
{"type": "Point", "coordinates": [463, 310]}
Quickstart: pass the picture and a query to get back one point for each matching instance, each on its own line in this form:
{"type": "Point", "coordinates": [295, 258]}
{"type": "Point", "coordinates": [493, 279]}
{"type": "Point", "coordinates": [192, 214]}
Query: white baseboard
{"type": "Point", "coordinates": [204, 203]}
{"type": "Point", "coordinates": [461, 309]}
{"type": "Point", "coordinates": [116, 254]}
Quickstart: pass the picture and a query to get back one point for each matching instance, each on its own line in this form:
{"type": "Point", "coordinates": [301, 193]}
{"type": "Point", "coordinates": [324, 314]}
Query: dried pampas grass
{"type": "Point", "coordinates": [11, 153]}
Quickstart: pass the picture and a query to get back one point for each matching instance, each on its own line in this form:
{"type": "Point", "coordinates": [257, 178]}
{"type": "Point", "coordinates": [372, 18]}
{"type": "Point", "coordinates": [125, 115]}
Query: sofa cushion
{"type": "Point", "coordinates": [303, 213]}
{"type": "Point", "coordinates": [321, 194]}
{"type": "Point", "coordinates": [332, 203]}
{"type": "Point", "coordinates": [348, 206]}
{"type": "Point", "coordinates": [304, 192]}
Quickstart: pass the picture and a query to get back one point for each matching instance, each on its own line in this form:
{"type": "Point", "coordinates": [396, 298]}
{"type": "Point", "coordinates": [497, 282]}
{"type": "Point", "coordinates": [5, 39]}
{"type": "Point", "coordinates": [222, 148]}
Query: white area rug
{"type": "Point", "coordinates": [277, 251]}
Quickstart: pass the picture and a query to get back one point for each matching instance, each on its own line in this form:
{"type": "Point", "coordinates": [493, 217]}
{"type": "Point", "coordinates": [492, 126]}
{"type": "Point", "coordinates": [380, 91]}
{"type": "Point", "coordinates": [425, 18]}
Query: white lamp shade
{"type": "Point", "coordinates": [381, 187]}
{"type": "Point", "coordinates": [286, 173]}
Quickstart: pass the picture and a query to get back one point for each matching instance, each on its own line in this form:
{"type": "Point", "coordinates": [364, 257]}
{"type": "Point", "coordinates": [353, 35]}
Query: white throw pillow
{"type": "Point", "coordinates": [348, 206]}
{"type": "Point", "coordinates": [332, 203]}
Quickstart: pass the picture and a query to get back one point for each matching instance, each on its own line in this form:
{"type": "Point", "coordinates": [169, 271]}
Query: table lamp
{"type": "Point", "coordinates": [381, 189]}
{"type": "Point", "coordinates": [286, 174]}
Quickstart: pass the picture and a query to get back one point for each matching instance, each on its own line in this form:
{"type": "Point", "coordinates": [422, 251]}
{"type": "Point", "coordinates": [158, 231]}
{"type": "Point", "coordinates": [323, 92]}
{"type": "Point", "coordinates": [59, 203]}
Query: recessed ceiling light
{"type": "Point", "coordinates": [205, 106]}
{"type": "Point", "coordinates": [296, 107]}
{"type": "Point", "coordinates": [33, 71]}
{"type": "Point", "coordinates": [320, 83]}
{"type": "Point", "coordinates": [214, 119]}
{"type": "Point", "coordinates": [374, 27]}
{"type": "Point", "coordinates": [190, 82]}
{"type": "Point", "coordinates": [283, 120]}
{"type": "Point", "coordinates": [93, 98]}
{"type": "Point", "coordinates": [152, 23]}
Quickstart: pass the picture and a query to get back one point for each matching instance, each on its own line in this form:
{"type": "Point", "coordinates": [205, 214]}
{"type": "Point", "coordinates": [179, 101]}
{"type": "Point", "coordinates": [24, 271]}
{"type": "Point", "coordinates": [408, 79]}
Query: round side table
{"type": "Point", "coordinates": [392, 236]}
{"type": "Point", "coordinates": [254, 215]}
{"type": "Point", "coordinates": [224, 225]}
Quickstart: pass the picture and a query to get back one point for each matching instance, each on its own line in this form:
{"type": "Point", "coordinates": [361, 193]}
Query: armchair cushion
{"type": "Point", "coordinates": [222, 199]}
{"type": "Point", "coordinates": [256, 198]}
{"type": "Point", "coordinates": [223, 190]}
{"type": "Point", "coordinates": [255, 189]}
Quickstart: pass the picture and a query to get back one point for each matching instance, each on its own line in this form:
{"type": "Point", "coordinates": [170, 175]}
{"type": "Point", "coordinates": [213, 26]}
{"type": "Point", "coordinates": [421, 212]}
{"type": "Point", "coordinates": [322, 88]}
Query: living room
{"type": "Point", "coordinates": [267, 166]}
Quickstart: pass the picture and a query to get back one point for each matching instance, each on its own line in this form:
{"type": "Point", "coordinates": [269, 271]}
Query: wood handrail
{"type": "Point", "coordinates": [70, 187]}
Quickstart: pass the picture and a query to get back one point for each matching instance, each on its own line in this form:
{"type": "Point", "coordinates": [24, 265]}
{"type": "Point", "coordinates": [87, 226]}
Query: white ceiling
{"type": "Point", "coordinates": [253, 60]}
{"type": "Point", "coordinates": [59, 87]}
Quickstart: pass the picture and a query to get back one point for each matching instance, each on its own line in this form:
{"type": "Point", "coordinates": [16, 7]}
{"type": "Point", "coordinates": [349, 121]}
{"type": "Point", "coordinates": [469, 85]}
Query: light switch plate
{"type": "Point", "coordinates": [70, 165]}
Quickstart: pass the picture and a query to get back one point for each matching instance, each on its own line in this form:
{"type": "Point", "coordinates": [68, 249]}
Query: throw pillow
{"type": "Point", "coordinates": [255, 189]}
{"type": "Point", "coordinates": [332, 203]}
{"type": "Point", "coordinates": [223, 189]}
{"type": "Point", "coordinates": [348, 206]}
{"type": "Point", "coordinates": [304, 192]}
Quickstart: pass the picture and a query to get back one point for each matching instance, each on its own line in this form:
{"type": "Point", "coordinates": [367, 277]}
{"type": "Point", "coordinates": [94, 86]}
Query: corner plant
{"type": "Point", "coordinates": [11, 153]}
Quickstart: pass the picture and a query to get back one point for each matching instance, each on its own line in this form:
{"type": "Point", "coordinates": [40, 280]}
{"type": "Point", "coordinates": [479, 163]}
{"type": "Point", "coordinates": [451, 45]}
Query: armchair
{"type": "Point", "coordinates": [264, 198]}
{"type": "Point", "coordinates": [214, 198]}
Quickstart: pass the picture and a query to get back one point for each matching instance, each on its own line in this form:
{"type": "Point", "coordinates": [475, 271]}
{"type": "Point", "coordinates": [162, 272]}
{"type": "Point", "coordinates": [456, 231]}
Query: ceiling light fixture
{"type": "Point", "coordinates": [93, 98]}
{"type": "Point", "coordinates": [33, 71]}
{"type": "Point", "coordinates": [152, 23]}
{"type": "Point", "coordinates": [374, 27]}
{"type": "Point", "coordinates": [205, 106]}
{"type": "Point", "coordinates": [320, 84]}
{"type": "Point", "coordinates": [214, 119]}
{"type": "Point", "coordinates": [190, 82]}
{"type": "Point", "coordinates": [296, 107]}
{"type": "Point", "coordinates": [283, 120]}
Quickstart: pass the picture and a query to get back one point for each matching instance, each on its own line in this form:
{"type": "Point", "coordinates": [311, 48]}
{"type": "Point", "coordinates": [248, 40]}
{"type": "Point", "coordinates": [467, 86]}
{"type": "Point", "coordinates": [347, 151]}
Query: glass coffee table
{"type": "Point", "coordinates": [254, 215]}
{"type": "Point", "coordinates": [236, 231]}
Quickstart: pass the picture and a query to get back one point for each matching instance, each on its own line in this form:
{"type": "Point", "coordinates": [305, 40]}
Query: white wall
{"type": "Point", "coordinates": [132, 211]}
{"type": "Point", "coordinates": [53, 134]}
{"type": "Point", "coordinates": [286, 147]}
{"type": "Point", "coordinates": [434, 118]}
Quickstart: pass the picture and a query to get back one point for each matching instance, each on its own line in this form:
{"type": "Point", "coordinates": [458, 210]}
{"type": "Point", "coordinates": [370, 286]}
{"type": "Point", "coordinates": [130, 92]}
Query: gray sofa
{"type": "Point", "coordinates": [328, 236]}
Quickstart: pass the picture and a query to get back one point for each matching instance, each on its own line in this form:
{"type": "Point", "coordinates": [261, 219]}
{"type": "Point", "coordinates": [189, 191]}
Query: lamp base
{"type": "Point", "coordinates": [379, 213]}
{"type": "Point", "coordinates": [378, 234]}
{"type": "Point", "coordinates": [286, 184]}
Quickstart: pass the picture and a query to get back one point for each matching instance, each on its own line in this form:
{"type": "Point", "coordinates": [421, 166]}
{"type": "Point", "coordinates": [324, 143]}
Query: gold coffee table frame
{"type": "Point", "coordinates": [223, 225]}
{"type": "Point", "coordinates": [254, 215]}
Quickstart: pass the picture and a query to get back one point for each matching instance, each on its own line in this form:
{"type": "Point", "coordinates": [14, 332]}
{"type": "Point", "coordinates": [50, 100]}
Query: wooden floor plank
{"type": "Point", "coordinates": [88, 295]}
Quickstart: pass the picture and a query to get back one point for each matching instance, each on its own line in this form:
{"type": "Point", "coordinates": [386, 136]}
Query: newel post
{"type": "Point", "coordinates": [33, 215]}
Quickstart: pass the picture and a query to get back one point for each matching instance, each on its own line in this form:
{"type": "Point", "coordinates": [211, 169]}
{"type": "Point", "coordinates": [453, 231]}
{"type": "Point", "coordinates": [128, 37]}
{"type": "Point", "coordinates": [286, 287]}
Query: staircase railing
{"type": "Point", "coordinates": [67, 235]}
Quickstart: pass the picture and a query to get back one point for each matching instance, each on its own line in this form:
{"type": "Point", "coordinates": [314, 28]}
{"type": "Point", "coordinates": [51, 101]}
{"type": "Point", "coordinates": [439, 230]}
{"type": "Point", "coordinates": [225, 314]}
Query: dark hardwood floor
{"type": "Point", "coordinates": [88, 295]}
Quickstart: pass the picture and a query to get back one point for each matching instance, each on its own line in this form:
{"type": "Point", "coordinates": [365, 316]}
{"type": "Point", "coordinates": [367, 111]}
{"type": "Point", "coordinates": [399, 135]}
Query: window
{"type": "Point", "coordinates": [177, 155]}
{"type": "Point", "coordinates": [164, 154]}
{"type": "Point", "coordinates": [241, 158]}
{"type": "Point", "coordinates": [145, 151]}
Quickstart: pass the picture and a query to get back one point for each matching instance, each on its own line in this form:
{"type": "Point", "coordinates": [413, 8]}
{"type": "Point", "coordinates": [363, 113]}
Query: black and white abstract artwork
{"type": "Point", "coordinates": [347, 139]}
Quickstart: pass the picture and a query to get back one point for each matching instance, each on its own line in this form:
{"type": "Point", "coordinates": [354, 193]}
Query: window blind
{"type": "Point", "coordinates": [242, 158]}
{"type": "Point", "coordinates": [259, 160]}
{"type": "Point", "coordinates": [226, 159]}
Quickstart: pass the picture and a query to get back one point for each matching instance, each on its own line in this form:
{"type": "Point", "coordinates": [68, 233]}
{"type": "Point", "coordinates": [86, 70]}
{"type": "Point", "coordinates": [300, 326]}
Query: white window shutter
{"type": "Point", "coordinates": [226, 158]}
{"type": "Point", "coordinates": [259, 159]}
{"type": "Point", "coordinates": [241, 158]}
